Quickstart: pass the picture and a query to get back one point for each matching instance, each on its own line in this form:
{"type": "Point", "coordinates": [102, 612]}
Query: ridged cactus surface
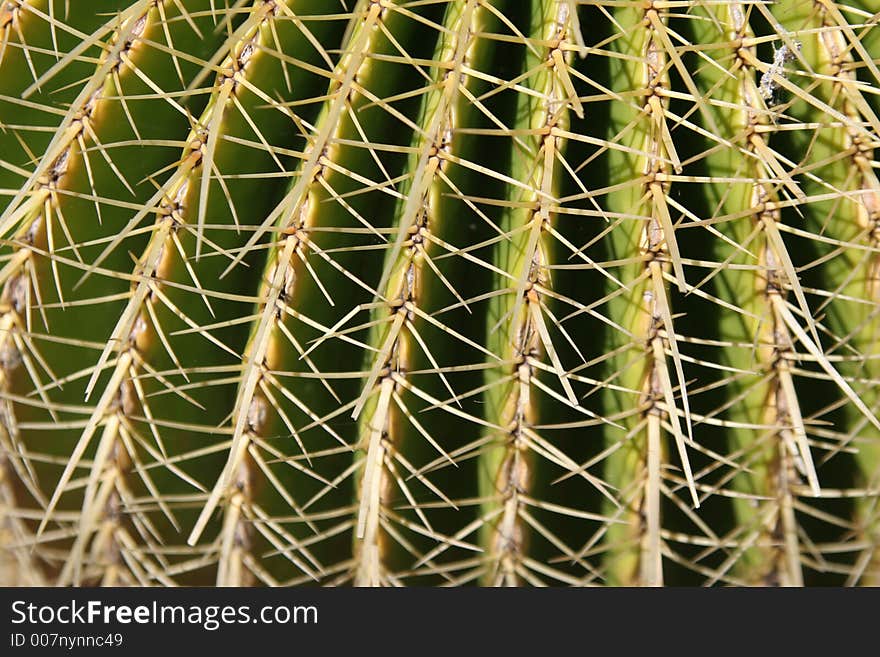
{"type": "Point", "coordinates": [439, 292]}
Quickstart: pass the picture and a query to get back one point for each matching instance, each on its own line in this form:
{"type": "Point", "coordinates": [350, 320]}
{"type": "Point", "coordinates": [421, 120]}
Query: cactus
{"type": "Point", "coordinates": [461, 292]}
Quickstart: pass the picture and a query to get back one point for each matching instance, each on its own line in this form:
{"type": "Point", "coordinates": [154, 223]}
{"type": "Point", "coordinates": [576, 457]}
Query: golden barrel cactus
{"type": "Point", "coordinates": [447, 292]}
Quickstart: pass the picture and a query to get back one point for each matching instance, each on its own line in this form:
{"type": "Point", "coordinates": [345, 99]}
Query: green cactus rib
{"type": "Point", "coordinates": [644, 240]}
{"type": "Point", "coordinates": [317, 221]}
{"type": "Point", "coordinates": [767, 426]}
{"type": "Point", "coordinates": [840, 155]}
{"type": "Point", "coordinates": [248, 416]}
{"type": "Point", "coordinates": [517, 317]}
{"type": "Point", "coordinates": [231, 139]}
{"type": "Point", "coordinates": [28, 35]}
{"type": "Point", "coordinates": [55, 236]}
{"type": "Point", "coordinates": [21, 30]}
{"type": "Point", "coordinates": [389, 420]}
{"type": "Point", "coordinates": [444, 292]}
